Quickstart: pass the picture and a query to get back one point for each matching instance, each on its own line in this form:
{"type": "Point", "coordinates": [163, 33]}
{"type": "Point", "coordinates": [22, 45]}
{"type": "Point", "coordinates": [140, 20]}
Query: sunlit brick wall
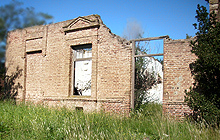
{"type": "Point", "coordinates": [44, 54]}
{"type": "Point", "coordinates": [177, 76]}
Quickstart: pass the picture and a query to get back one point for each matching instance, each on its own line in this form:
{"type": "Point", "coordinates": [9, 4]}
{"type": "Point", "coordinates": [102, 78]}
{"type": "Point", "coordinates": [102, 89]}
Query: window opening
{"type": "Point", "coordinates": [82, 69]}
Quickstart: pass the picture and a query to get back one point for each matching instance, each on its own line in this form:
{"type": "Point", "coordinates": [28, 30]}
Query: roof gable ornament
{"type": "Point", "coordinates": [81, 23]}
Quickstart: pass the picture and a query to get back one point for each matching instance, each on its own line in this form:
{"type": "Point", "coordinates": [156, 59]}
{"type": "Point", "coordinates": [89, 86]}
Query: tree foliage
{"type": "Point", "coordinates": [204, 96]}
{"type": "Point", "coordinates": [14, 16]}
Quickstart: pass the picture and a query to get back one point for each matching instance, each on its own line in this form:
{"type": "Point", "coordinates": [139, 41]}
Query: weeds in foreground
{"type": "Point", "coordinates": [37, 122]}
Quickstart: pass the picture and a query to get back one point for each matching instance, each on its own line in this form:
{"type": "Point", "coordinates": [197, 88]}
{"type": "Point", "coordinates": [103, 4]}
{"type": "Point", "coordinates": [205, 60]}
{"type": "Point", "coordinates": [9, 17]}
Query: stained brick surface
{"type": "Point", "coordinates": [44, 54]}
{"type": "Point", "coordinates": [177, 75]}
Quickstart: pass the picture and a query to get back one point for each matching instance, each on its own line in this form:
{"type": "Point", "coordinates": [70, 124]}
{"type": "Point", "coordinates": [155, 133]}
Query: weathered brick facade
{"type": "Point", "coordinates": [44, 53]}
{"type": "Point", "coordinates": [45, 56]}
{"type": "Point", "coordinates": [214, 6]}
{"type": "Point", "coordinates": [177, 76]}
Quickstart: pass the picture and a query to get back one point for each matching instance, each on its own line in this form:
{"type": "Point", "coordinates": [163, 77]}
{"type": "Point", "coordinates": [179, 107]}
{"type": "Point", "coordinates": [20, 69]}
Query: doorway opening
{"type": "Point", "coordinates": [147, 71]}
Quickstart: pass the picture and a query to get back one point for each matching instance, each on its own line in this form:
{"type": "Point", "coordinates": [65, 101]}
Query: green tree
{"type": "Point", "coordinates": [14, 16]}
{"type": "Point", "coordinates": [204, 96]}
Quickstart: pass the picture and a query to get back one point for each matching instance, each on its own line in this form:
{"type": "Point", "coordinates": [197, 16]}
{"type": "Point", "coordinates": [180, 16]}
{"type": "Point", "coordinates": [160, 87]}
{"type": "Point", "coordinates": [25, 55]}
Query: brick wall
{"type": "Point", "coordinates": [15, 59]}
{"type": "Point", "coordinates": [177, 76]}
{"type": "Point", "coordinates": [44, 54]}
{"type": "Point", "coordinates": [214, 6]}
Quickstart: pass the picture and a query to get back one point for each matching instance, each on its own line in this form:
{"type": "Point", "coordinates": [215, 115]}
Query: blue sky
{"type": "Point", "coordinates": [157, 17]}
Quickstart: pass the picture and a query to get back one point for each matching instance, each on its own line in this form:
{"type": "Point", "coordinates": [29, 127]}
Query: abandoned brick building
{"type": "Point", "coordinates": [79, 63]}
{"type": "Point", "coordinates": [54, 58]}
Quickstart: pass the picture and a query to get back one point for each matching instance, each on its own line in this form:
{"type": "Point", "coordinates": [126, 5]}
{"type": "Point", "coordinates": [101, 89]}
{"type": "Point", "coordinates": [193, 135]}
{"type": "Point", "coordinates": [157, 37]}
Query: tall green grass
{"type": "Point", "coordinates": [38, 122]}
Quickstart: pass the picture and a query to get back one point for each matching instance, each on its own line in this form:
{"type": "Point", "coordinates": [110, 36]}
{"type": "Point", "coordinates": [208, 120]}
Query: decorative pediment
{"type": "Point", "coordinates": [81, 23]}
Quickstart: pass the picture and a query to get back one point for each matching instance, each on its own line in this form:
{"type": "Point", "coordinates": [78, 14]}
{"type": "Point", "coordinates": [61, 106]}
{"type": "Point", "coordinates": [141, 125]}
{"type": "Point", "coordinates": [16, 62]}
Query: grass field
{"type": "Point", "coordinates": [37, 122]}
